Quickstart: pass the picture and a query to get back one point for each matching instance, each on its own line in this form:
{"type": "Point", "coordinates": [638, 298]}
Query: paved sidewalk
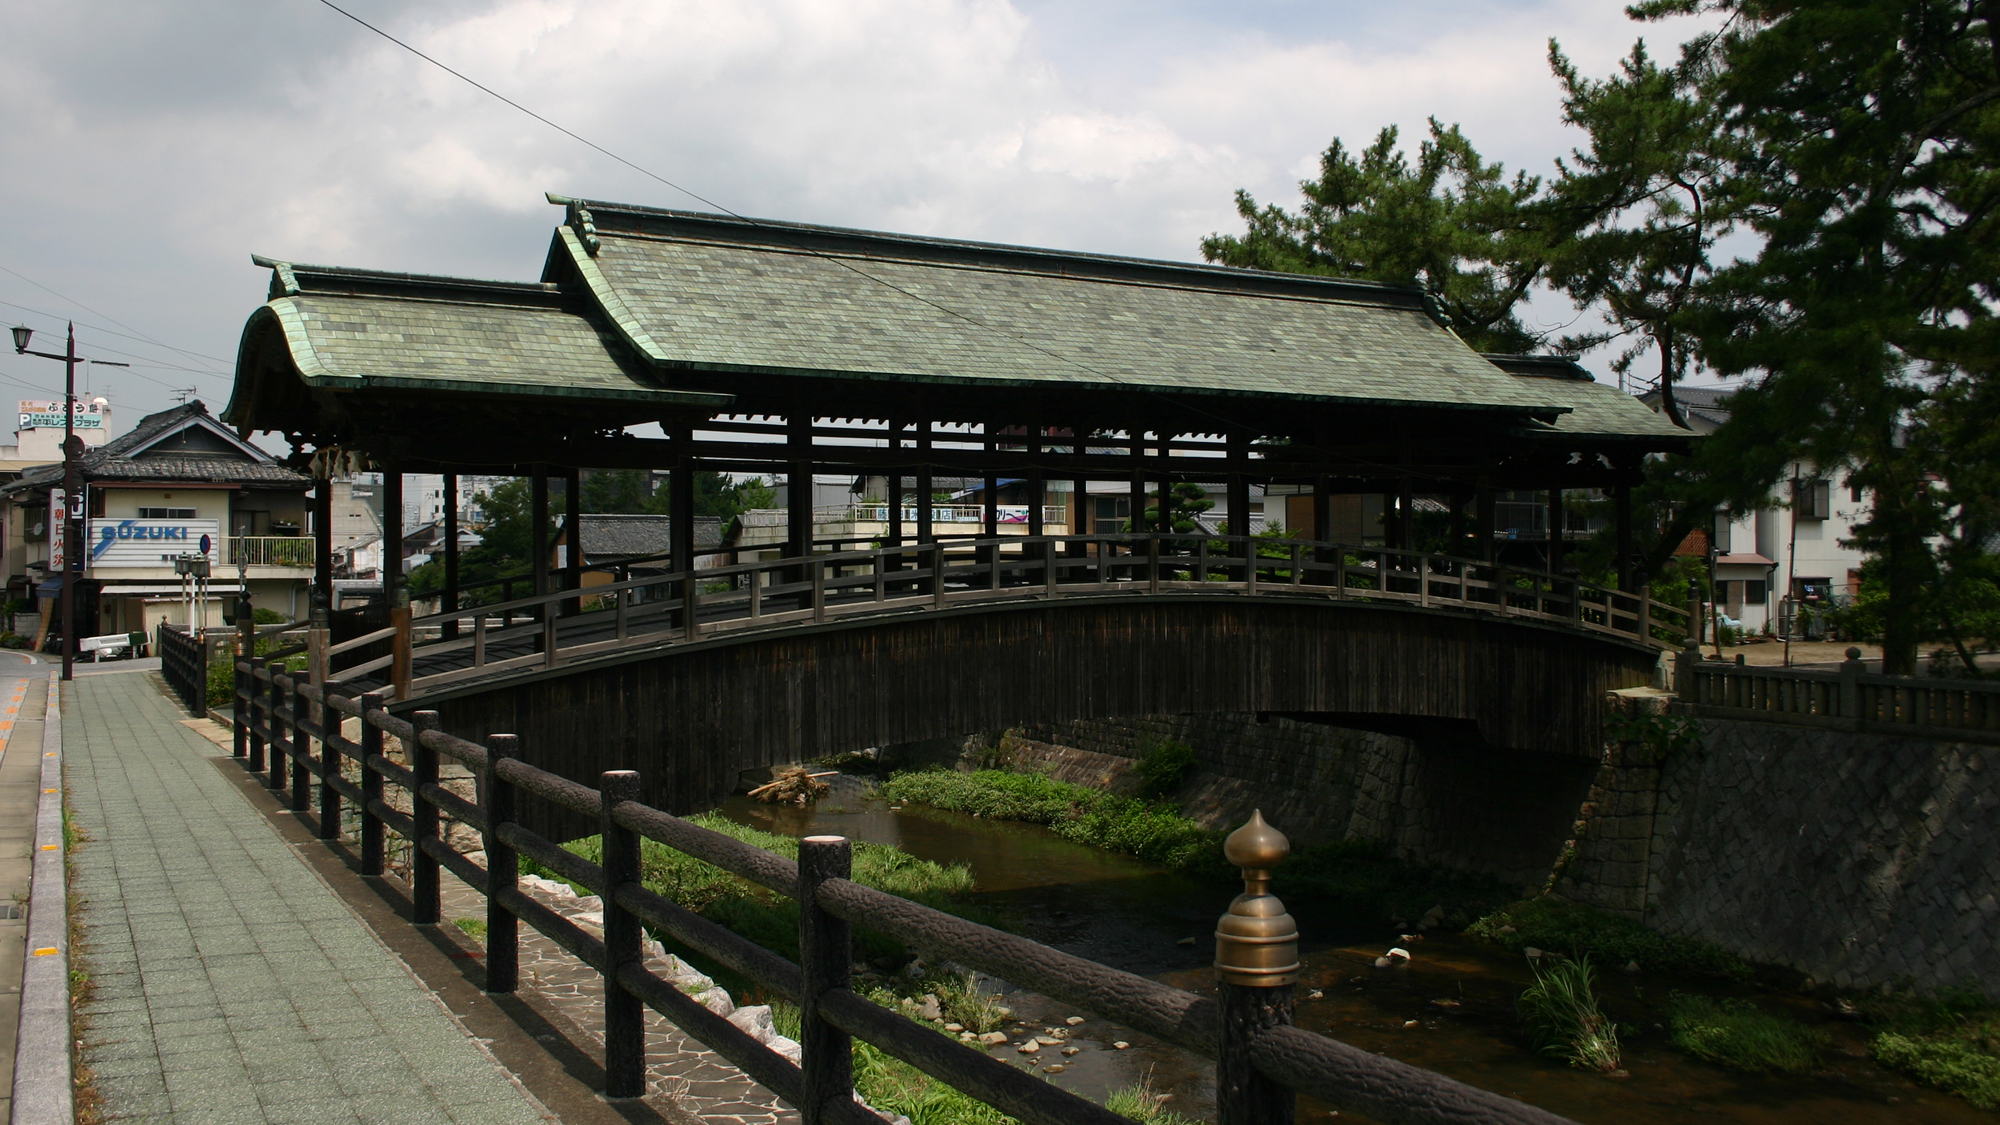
{"type": "Point", "coordinates": [230, 983]}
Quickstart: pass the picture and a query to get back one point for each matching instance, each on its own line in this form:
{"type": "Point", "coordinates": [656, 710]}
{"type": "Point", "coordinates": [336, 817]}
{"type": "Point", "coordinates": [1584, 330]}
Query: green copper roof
{"type": "Point", "coordinates": [1595, 410]}
{"type": "Point", "coordinates": [356, 329]}
{"type": "Point", "coordinates": [708, 294]}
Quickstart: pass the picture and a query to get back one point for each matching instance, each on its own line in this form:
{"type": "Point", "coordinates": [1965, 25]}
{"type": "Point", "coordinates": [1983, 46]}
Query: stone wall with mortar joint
{"type": "Point", "coordinates": [1860, 860]}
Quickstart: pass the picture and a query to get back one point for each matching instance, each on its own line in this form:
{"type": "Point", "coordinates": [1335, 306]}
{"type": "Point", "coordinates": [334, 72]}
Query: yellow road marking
{"type": "Point", "coordinates": [50, 847]}
{"type": "Point", "coordinates": [51, 951]}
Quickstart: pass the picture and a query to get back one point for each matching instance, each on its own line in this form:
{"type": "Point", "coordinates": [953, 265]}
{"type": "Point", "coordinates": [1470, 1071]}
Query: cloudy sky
{"type": "Point", "coordinates": [152, 148]}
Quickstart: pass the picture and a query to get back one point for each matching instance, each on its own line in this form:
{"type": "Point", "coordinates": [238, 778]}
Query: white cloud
{"type": "Point", "coordinates": [147, 170]}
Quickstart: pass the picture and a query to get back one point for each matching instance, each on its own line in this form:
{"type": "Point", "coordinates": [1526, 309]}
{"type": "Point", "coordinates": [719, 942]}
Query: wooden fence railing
{"type": "Point", "coordinates": [566, 625]}
{"type": "Point", "coordinates": [183, 665]}
{"type": "Point", "coordinates": [281, 717]}
{"type": "Point", "coordinates": [1850, 699]}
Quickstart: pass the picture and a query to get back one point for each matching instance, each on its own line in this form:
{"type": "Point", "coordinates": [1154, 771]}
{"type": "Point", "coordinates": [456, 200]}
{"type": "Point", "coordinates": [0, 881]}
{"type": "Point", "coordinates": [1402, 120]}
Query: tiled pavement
{"type": "Point", "coordinates": [230, 983]}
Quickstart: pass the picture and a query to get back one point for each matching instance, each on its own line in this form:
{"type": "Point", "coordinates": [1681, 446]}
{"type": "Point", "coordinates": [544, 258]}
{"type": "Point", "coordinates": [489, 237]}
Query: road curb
{"type": "Point", "coordinates": [44, 1087]}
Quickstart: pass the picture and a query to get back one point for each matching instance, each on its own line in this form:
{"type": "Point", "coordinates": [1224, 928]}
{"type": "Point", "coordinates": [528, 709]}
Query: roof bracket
{"type": "Point", "coordinates": [579, 221]}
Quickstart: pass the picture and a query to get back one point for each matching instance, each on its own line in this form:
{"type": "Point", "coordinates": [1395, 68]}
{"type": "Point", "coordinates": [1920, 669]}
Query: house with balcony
{"type": "Point", "coordinates": [179, 478]}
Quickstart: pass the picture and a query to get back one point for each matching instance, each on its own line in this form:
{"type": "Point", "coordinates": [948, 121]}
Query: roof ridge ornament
{"type": "Point", "coordinates": [580, 221]}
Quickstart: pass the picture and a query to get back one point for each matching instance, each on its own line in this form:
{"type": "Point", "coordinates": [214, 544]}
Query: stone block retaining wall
{"type": "Point", "coordinates": [1858, 859]}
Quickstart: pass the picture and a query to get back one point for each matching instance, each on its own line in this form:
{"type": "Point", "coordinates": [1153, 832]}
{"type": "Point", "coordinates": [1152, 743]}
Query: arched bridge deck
{"type": "Point", "coordinates": [802, 657]}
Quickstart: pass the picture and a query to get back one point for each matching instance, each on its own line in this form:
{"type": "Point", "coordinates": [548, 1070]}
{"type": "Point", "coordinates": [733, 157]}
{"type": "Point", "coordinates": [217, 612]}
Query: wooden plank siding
{"type": "Point", "coordinates": [690, 718]}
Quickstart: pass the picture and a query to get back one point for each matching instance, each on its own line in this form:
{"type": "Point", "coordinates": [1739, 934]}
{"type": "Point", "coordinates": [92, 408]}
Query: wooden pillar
{"type": "Point", "coordinates": [1406, 514]}
{"type": "Point", "coordinates": [538, 525]}
{"type": "Point", "coordinates": [1237, 488]}
{"type": "Point", "coordinates": [573, 517]}
{"type": "Point", "coordinates": [1079, 488]}
{"type": "Point", "coordinates": [1622, 497]}
{"type": "Point", "coordinates": [1483, 523]}
{"type": "Point", "coordinates": [1457, 524]}
{"type": "Point", "coordinates": [1555, 521]}
{"type": "Point", "coordinates": [394, 593]}
{"type": "Point", "coordinates": [926, 529]}
{"type": "Point", "coordinates": [1323, 509]}
{"type": "Point", "coordinates": [680, 500]}
{"type": "Point", "coordinates": [322, 530]}
{"type": "Point", "coordinates": [990, 517]}
{"type": "Point", "coordinates": [798, 484]}
{"type": "Point", "coordinates": [1138, 500]}
{"type": "Point", "coordinates": [448, 600]}
{"type": "Point", "coordinates": [1037, 489]}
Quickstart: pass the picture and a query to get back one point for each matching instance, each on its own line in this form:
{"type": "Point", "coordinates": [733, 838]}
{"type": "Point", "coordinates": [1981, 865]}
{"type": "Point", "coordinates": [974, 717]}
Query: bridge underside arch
{"type": "Point", "coordinates": [690, 718]}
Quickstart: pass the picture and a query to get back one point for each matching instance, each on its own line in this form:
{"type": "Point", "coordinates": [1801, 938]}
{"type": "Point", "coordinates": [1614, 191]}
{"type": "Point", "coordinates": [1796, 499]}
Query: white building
{"type": "Point", "coordinates": [1788, 552]}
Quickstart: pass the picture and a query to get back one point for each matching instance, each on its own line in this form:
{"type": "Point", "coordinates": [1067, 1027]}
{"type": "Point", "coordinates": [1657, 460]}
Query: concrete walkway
{"type": "Point", "coordinates": [229, 982]}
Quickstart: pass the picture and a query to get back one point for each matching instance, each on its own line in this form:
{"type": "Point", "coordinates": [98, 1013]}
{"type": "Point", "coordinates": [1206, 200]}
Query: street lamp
{"type": "Point", "coordinates": [72, 530]}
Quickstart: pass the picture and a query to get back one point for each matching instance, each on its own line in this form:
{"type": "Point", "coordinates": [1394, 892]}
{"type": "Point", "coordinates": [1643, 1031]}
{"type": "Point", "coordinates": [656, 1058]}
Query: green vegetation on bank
{"type": "Point", "coordinates": [1950, 1042]}
{"type": "Point", "coordinates": [1154, 833]}
{"type": "Point", "coordinates": [1356, 875]}
{"type": "Point", "coordinates": [1563, 1019]}
{"type": "Point", "coordinates": [1737, 1034]}
{"type": "Point", "coordinates": [1574, 930]}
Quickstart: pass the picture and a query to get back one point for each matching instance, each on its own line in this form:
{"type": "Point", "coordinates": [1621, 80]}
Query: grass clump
{"type": "Point", "coordinates": [1949, 1042]}
{"type": "Point", "coordinates": [1105, 820]}
{"type": "Point", "coordinates": [1575, 930]}
{"type": "Point", "coordinates": [1563, 1019]}
{"type": "Point", "coordinates": [1144, 1103]}
{"type": "Point", "coordinates": [1739, 1035]}
{"type": "Point", "coordinates": [1163, 768]}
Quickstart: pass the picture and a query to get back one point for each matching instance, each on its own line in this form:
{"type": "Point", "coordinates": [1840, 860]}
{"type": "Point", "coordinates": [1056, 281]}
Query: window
{"type": "Point", "coordinates": [1812, 499]}
{"type": "Point", "coordinates": [1754, 592]}
{"type": "Point", "coordinates": [1109, 508]}
{"type": "Point", "coordinates": [166, 513]}
{"type": "Point", "coordinates": [1853, 493]}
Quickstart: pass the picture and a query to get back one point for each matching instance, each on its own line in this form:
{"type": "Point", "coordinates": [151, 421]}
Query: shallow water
{"type": "Point", "coordinates": [1124, 913]}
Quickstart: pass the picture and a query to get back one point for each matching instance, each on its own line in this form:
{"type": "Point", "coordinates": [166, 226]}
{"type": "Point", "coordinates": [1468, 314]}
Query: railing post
{"type": "Point", "coordinates": [301, 745]}
{"type": "Point", "coordinates": [425, 889]}
{"type": "Point", "coordinates": [281, 745]}
{"type": "Point", "coordinates": [1153, 564]}
{"type": "Point", "coordinates": [503, 869]}
{"type": "Point", "coordinates": [818, 567]}
{"type": "Point", "coordinates": [825, 960]}
{"type": "Point", "coordinates": [371, 786]}
{"type": "Point", "coordinates": [690, 602]}
{"type": "Point", "coordinates": [1257, 957]}
{"type": "Point", "coordinates": [624, 1015]}
{"type": "Point", "coordinates": [330, 759]}
{"type": "Point", "coordinates": [937, 574]}
{"type": "Point", "coordinates": [251, 698]}
{"type": "Point", "coordinates": [1049, 555]}
{"type": "Point", "coordinates": [479, 640]}
{"type": "Point", "coordinates": [246, 648]}
{"type": "Point", "coordinates": [1250, 566]}
{"type": "Point", "coordinates": [399, 667]}
{"type": "Point", "coordinates": [1850, 689]}
{"type": "Point", "coordinates": [1298, 565]}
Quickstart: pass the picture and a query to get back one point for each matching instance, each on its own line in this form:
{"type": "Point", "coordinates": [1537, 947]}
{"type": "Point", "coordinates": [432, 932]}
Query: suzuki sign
{"type": "Point", "coordinates": [144, 542]}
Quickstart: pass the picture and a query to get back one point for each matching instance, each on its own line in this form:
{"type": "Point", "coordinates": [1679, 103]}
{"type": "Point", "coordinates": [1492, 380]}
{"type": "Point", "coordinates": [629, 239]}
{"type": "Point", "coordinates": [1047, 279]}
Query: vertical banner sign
{"type": "Point", "coordinates": [58, 510]}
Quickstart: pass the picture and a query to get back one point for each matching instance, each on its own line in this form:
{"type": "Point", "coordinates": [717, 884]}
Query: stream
{"type": "Point", "coordinates": [1451, 1009]}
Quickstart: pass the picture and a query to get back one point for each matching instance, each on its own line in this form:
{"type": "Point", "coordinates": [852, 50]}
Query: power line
{"type": "Point", "coordinates": [138, 335]}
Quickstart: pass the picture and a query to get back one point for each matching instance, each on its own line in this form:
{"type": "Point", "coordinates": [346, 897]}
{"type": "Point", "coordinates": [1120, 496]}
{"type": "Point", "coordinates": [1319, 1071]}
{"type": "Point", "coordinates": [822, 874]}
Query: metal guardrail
{"type": "Point", "coordinates": [1850, 699]}
{"type": "Point", "coordinates": [662, 608]}
{"type": "Point", "coordinates": [279, 718]}
{"type": "Point", "coordinates": [269, 550]}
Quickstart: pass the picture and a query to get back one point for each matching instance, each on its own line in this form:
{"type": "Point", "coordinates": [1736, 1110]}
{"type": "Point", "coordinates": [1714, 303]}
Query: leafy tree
{"type": "Point", "coordinates": [1642, 205]}
{"type": "Point", "coordinates": [621, 491]}
{"type": "Point", "coordinates": [1452, 223]}
{"type": "Point", "coordinates": [1864, 135]}
{"type": "Point", "coordinates": [1185, 501]}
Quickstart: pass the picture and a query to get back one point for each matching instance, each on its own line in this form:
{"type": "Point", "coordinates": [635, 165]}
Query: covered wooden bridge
{"type": "Point", "coordinates": [787, 349]}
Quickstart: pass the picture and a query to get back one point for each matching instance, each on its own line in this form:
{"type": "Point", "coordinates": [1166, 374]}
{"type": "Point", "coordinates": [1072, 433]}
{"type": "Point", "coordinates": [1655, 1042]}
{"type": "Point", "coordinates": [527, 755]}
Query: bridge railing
{"type": "Point", "coordinates": [1851, 699]}
{"type": "Point", "coordinates": [550, 629]}
{"type": "Point", "coordinates": [1260, 1057]}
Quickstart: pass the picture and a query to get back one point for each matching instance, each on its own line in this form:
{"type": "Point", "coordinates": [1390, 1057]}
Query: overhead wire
{"type": "Point", "coordinates": [843, 263]}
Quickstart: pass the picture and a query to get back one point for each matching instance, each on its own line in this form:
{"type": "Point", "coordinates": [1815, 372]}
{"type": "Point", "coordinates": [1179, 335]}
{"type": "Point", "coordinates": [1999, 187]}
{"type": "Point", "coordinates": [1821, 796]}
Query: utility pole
{"type": "Point", "coordinates": [72, 524]}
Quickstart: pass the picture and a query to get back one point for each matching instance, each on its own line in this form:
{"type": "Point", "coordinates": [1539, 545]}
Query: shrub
{"type": "Point", "coordinates": [1563, 1019]}
{"type": "Point", "coordinates": [1360, 876]}
{"type": "Point", "coordinates": [1739, 1035]}
{"type": "Point", "coordinates": [1073, 812]}
{"type": "Point", "coordinates": [1950, 1041]}
{"type": "Point", "coordinates": [262, 616]}
{"type": "Point", "coordinates": [1576, 930]}
{"type": "Point", "coordinates": [1163, 768]}
{"type": "Point", "coordinates": [1144, 1103]}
